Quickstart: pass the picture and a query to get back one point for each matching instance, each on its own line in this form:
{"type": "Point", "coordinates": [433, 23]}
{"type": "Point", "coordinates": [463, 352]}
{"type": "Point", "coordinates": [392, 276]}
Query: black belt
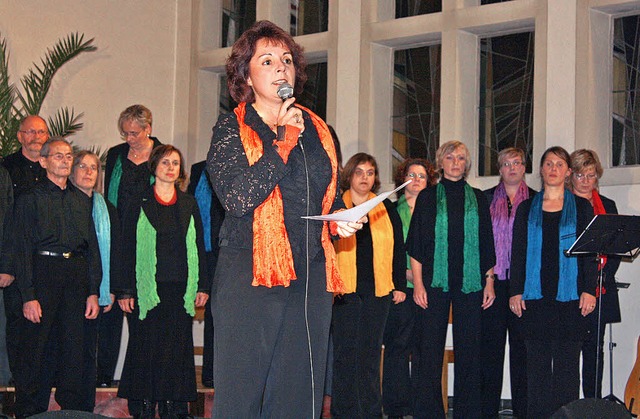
{"type": "Point", "coordinates": [66, 255]}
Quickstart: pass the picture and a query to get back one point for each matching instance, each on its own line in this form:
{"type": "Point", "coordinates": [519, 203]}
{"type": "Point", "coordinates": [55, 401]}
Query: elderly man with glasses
{"type": "Point", "coordinates": [57, 273]}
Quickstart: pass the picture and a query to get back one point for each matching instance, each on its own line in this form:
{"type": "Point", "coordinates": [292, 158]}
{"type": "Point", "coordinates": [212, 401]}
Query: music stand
{"type": "Point", "coordinates": [608, 235]}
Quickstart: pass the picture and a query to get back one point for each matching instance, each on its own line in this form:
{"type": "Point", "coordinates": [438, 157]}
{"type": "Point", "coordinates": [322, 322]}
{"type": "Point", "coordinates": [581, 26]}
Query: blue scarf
{"type": "Point", "coordinates": [102, 223]}
{"type": "Point", "coordinates": [203, 198]}
{"type": "Point", "coordinates": [567, 283]}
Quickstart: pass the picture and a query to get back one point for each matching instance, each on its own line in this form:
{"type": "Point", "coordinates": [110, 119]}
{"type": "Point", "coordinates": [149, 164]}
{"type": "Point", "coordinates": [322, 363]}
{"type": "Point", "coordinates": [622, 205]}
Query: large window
{"type": "Point", "coordinates": [309, 16]}
{"type": "Point", "coordinates": [406, 8]}
{"type": "Point", "coordinates": [237, 16]}
{"type": "Point", "coordinates": [625, 146]}
{"type": "Point", "coordinates": [506, 98]}
{"type": "Point", "coordinates": [416, 103]}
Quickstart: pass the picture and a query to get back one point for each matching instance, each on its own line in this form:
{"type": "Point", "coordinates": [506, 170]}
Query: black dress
{"type": "Point", "coordinates": [159, 364]}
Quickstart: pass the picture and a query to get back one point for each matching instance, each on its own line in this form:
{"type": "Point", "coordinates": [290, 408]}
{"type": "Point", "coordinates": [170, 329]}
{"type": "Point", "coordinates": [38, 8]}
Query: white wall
{"type": "Point", "coordinates": [136, 62]}
{"type": "Point", "coordinates": [142, 57]}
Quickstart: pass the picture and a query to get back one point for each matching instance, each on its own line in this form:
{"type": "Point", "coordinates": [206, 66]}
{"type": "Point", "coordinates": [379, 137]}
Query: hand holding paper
{"type": "Point", "coordinates": [359, 211]}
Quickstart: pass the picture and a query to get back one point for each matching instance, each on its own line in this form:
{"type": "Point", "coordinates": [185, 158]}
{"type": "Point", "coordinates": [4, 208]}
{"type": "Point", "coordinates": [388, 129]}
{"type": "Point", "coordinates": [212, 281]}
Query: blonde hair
{"type": "Point", "coordinates": [448, 148]}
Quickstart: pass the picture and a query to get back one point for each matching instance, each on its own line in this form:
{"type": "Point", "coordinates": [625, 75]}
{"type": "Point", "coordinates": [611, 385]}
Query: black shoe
{"type": "Point", "coordinates": [148, 410]}
{"type": "Point", "coordinates": [167, 410]}
{"type": "Point", "coordinates": [207, 383]}
{"type": "Point", "coordinates": [105, 382]}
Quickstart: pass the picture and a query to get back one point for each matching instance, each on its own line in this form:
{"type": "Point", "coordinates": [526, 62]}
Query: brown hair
{"type": "Point", "coordinates": [350, 169]}
{"type": "Point", "coordinates": [243, 50]}
{"type": "Point", "coordinates": [403, 170]}
{"type": "Point", "coordinates": [164, 150]}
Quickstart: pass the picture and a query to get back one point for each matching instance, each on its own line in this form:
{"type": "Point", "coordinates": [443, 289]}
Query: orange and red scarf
{"type": "Point", "coordinates": [272, 255]}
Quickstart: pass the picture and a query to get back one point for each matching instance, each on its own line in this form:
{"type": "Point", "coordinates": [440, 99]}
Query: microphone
{"type": "Point", "coordinates": [285, 91]}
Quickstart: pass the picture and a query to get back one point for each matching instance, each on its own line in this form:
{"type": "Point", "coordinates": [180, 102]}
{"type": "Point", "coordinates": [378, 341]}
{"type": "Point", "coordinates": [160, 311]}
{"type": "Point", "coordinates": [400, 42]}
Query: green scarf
{"type": "Point", "coordinates": [471, 252]}
{"type": "Point", "coordinates": [146, 267]}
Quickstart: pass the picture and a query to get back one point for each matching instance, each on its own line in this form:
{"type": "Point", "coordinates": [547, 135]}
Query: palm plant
{"type": "Point", "coordinates": [16, 104]}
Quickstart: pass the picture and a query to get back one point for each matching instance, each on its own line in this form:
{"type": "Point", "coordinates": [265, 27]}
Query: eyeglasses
{"type": "Point", "coordinates": [33, 132]}
{"type": "Point", "coordinates": [60, 156]}
{"type": "Point", "coordinates": [416, 175]}
{"type": "Point", "coordinates": [83, 166]}
{"type": "Point", "coordinates": [127, 134]}
{"type": "Point", "coordinates": [581, 176]}
{"type": "Point", "coordinates": [514, 164]}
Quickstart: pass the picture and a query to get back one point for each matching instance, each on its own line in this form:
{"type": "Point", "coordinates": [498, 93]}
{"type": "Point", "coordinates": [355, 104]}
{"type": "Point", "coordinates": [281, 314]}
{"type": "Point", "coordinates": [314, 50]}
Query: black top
{"type": "Point", "coordinates": [364, 255]}
{"type": "Point", "coordinates": [241, 188]}
{"type": "Point", "coordinates": [421, 236]}
{"type": "Point", "coordinates": [171, 223]}
{"type": "Point", "coordinates": [6, 218]}
{"type": "Point", "coordinates": [135, 177]}
{"type": "Point", "coordinates": [24, 172]}
{"type": "Point", "coordinates": [56, 220]}
{"type": "Point", "coordinates": [548, 318]}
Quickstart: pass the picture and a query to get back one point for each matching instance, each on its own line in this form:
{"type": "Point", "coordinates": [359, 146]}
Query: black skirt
{"type": "Point", "coordinates": [159, 364]}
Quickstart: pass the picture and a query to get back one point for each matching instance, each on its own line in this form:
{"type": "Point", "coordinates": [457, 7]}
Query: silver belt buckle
{"type": "Point", "coordinates": [66, 255]}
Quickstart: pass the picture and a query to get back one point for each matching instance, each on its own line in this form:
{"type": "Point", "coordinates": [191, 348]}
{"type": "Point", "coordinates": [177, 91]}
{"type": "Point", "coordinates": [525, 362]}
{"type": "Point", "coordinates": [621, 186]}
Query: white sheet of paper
{"type": "Point", "coordinates": [359, 211]}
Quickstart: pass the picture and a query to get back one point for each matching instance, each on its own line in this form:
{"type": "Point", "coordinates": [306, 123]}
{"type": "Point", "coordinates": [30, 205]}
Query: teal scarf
{"type": "Point", "coordinates": [114, 182]}
{"type": "Point", "coordinates": [146, 267]}
{"type": "Point", "coordinates": [203, 195]}
{"type": "Point", "coordinates": [567, 283]}
{"type": "Point", "coordinates": [471, 281]}
{"type": "Point", "coordinates": [102, 224]}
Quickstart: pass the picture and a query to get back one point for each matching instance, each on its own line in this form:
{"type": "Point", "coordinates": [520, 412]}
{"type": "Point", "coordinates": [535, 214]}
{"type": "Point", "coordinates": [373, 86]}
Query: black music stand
{"type": "Point", "coordinates": [608, 235]}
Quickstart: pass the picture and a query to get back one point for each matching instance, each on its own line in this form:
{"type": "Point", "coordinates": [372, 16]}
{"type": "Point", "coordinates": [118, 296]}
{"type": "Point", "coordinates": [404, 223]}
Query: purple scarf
{"type": "Point", "coordinates": [503, 225]}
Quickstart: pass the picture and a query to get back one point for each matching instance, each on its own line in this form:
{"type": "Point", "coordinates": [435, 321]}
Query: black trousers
{"type": "Point", "coordinates": [109, 331]}
{"type": "Point", "coordinates": [61, 288]}
{"type": "Point", "coordinates": [90, 362]}
{"type": "Point", "coordinates": [496, 321]}
{"type": "Point", "coordinates": [553, 376]}
{"type": "Point", "coordinates": [431, 330]}
{"type": "Point", "coordinates": [13, 312]}
{"type": "Point", "coordinates": [358, 326]}
{"type": "Point", "coordinates": [270, 344]}
{"type": "Point", "coordinates": [399, 350]}
{"type": "Point", "coordinates": [592, 379]}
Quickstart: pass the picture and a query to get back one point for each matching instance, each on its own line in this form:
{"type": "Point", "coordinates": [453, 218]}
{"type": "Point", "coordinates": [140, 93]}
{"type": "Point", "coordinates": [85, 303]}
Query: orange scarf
{"type": "Point", "coordinates": [382, 237]}
{"type": "Point", "coordinates": [272, 256]}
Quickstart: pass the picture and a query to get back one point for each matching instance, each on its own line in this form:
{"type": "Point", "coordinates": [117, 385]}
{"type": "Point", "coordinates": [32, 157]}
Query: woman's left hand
{"type": "Point", "coordinates": [92, 308]}
{"type": "Point", "coordinates": [399, 297]}
{"type": "Point", "coordinates": [108, 308]}
{"type": "Point", "coordinates": [489, 295]}
{"type": "Point", "coordinates": [587, 303]}
{"type": "Point", "coordinates": [201, 299]}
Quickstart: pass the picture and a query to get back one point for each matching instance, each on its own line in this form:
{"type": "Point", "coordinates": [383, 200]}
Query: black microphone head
{"type": "Point", "coordinates": [285, 91]}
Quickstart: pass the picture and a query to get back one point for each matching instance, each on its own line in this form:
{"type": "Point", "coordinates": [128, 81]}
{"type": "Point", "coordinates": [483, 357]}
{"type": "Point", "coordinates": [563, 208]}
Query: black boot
{"type": "Point", "coordinates": [167, 410]}
{"type": "Point", "coordinates": [148, 410]}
